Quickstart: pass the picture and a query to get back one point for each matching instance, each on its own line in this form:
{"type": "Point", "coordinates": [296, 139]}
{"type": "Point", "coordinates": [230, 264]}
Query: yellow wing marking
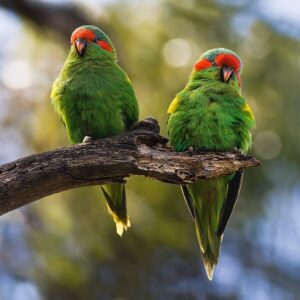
{"type": "Point", "coordinates": [173, 106]}
{"type": "Point", "coordinates": [128, 79]}
{"type": "Point", "coordinates": [248, 109]}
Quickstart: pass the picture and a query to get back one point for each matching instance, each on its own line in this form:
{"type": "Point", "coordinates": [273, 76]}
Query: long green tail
{"type": "Point", "coordinates": [208, 197]}
{"type": "Point", "coordinates": [115, 197]}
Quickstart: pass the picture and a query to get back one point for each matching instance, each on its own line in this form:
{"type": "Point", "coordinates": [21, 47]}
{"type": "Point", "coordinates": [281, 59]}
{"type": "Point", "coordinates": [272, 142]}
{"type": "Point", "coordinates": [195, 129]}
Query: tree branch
{"type": "Point", "coordinates": [141, 151]}
{"type": "Point", "coordinates": [63, 18]}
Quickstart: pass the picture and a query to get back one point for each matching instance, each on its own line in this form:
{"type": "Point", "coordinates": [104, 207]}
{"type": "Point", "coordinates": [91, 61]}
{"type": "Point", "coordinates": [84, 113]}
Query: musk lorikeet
{"type": "Point", "coordinates": [210, 114]}
{"type": "Point", "coordinates": [94, 97]}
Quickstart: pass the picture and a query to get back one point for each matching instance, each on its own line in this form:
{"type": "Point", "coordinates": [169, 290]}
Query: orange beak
{"type": "Point", "coordinates": [227, 72]}
{"type": "Point", "coordinates": [80, 46]}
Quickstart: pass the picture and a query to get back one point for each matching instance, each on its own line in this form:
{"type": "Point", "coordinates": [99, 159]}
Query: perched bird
{"type": "Point", "coordinates": [210, 114]}
{"type": "Point", "coordinates": [94, 97]}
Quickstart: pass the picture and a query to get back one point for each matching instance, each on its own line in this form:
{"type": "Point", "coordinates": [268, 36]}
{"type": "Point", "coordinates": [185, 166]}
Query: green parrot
{"type": "Point", "coordinates": [94, 97]}
{"type": "Point", "coordinates": [210, 114]}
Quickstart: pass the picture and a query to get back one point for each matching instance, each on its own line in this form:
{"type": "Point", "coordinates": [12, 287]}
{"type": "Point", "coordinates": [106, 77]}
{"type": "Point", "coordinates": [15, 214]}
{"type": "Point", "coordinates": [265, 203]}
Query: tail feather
{"type": "Point", "coordinates": [210, 245]}
{"type": "Point", "coordinates": [188, 200]}
{"type": "Point", "coordinates": [208, 198]}
{"type": "Point", "coordinates": [210, 263]}
{"type": "Point", "coordinates": [115, 197]}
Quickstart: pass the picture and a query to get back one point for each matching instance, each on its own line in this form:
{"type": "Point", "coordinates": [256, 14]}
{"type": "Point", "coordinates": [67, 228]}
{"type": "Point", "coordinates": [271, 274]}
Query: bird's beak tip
{"type": "Point", "coordinates": [227, 72]}
{"type": "Point", "coordinates": [80, 46]}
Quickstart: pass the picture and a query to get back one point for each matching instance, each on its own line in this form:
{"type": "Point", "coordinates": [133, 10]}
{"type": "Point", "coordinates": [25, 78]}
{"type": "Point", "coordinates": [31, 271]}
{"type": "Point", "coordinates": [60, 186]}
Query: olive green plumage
{"type": "Point", "coordinates": [94, 97]}
{"type": "Point", "coordinates": [210, 114]}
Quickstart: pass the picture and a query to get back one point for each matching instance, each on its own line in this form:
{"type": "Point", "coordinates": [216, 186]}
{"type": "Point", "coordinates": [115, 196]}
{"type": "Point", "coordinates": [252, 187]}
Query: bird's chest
{"type": "Point", "coordinates": [90, 107]}
{"type": "Point", "coordinates": [212, 124]}
{"type": "Point", "coordinates": [211, 113]}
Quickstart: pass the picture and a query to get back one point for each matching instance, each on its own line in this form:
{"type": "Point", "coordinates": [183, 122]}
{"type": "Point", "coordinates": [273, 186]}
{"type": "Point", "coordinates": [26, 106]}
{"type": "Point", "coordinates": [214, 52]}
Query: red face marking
{"type": "Point", "coordinates": [202, 64]}
{"type": "Point", "coordinates": [104, 46]}
{"type": "Point", "coordinates": [90, 37]}
{"type": "Point", "coordinates": [239, 79]}
{"type": "Point", "coordinates": [85, 34]}
{"type": "Point", "coordinates": [228, 60]}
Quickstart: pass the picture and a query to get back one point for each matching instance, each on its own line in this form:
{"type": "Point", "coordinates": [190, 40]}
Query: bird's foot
{"type": "Point", "coordinates": [87, 140]}
{"type": "Point", "coordinates": [148, 124]}
{"type": "Point", "coordinates": [239, 151]}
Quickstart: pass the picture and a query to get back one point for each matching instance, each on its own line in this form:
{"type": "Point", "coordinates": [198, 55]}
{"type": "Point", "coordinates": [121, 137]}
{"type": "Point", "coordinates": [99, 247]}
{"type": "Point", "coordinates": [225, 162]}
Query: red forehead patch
{"type": "Point", "coordinates": [86, 34]}
{"type": "Point", "coordinates": [228, 60]}
{"type": "Point", "coordinates": [202, 64]}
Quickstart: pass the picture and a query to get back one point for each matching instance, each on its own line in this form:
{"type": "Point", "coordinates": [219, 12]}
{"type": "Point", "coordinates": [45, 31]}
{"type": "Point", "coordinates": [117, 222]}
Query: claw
{"type": "Point", "coordinates": [239, 151]}
{"type": "Point", "coordinates": [149, 124]}
{"type": "Point", "coordinates": [87, 140]}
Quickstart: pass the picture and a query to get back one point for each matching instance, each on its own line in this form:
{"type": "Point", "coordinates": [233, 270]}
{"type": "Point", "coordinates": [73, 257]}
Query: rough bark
{"type": "Point", "coordinates": [141, 151]}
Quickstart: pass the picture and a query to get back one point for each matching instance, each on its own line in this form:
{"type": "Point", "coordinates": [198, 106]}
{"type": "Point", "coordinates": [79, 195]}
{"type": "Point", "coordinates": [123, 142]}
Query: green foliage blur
{"type": "Point", "coordinates": [75, 251]}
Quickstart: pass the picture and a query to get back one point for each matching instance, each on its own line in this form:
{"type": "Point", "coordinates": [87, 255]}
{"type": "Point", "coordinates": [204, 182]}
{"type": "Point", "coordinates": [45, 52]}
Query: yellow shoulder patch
{"type": "Point", "coordinates": [173, 106]}
{"type": "Point", "coordinates": [248, 109]}
{"type": "Point", "coordinates": [128, 79]}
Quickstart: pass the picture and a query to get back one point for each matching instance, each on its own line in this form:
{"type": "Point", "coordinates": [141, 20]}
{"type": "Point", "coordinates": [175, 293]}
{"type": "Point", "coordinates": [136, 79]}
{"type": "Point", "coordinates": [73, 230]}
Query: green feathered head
{"type": "Point", "coordinates": [89, 40]}
{"type": "Point", "coordinates": [227, 62]}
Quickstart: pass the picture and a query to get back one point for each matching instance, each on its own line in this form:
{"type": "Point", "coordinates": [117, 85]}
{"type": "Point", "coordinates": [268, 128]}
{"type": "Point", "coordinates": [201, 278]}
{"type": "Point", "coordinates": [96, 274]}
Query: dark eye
{"type": "Point", "coordinates": [95, 40]}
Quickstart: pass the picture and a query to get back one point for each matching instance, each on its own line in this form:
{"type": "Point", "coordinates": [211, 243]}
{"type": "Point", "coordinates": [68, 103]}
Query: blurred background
{"type": "Point", "coordinates": [65, 246]}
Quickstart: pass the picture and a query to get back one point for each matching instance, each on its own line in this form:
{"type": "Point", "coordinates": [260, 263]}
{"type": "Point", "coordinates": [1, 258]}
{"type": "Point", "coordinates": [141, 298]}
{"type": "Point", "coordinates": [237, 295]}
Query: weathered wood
{"type": "Point", "coordinates": [141, 151]}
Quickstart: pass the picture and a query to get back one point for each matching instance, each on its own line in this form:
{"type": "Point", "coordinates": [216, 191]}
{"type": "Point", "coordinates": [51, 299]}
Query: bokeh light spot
{"type": "Point", "coordinates": [16, 75]}
{"type": "Point", "coordinates": [177, 52]}
{"type": "Point", "coordinates": [267, 144]}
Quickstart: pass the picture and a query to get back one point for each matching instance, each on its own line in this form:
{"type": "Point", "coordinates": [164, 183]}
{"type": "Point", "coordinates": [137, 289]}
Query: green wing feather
{"type": "Point", "coordinates": [234, 187]}
{"type": "Point", "coordinates": [188, 200]}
